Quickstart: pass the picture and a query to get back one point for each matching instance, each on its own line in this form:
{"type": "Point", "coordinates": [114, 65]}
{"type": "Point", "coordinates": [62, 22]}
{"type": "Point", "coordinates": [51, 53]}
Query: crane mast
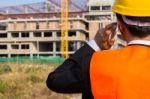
{"type": "Point", "coordinates": [64, 27]}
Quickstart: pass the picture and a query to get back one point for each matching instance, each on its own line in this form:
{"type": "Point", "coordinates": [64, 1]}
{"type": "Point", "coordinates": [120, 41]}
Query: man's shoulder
{"type": "Point", "coordinates": [115, 56]}
{"type": "Point", "coordinates": [110, 54]}
{"type": "Point", "coordinates": [104, 59]}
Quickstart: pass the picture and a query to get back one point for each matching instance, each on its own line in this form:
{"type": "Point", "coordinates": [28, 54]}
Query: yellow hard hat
{"type": "Point", "coordinates": [139, 8]}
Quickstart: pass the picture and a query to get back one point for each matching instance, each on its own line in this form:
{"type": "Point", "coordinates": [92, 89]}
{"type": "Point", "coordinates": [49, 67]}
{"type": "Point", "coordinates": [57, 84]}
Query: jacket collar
{"type": "Point", "coordinates": [139, 42]}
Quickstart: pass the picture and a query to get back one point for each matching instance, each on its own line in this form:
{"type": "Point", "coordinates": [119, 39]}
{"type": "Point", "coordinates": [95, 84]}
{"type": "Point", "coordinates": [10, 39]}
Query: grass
{"type": "Point", "coordinates": [5, 69]}
{"type": "Point", "coordinates": [27, 81]}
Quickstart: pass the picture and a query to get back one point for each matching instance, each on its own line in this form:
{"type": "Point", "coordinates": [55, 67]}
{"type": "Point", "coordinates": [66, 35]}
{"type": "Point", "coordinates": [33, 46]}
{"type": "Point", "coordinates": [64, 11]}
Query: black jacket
{"type": "Point", "coordinates": [73, 75]}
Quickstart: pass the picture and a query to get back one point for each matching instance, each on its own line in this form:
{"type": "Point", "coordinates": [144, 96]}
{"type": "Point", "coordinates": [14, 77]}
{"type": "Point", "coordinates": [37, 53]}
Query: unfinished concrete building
{"type": "Point", "coordinates": [40, 37]}
{"type": "Point", "coordinates": [28, 32]}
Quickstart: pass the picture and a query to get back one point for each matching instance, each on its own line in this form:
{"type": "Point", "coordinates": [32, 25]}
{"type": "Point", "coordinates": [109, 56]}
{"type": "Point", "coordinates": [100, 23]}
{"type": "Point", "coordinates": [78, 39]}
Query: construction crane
{"type": "Point", "coordinates": [70, 4]}
{"type": "Point", "coordinates": [75, 5]}
{"type": "Point", "coordinates": [65, 23]}
{"type": "Point", "coordinates": [15, 8]}
{"type": "Point", "coordinates": [53, 5]}
{"type": "Point", "coordinates": [64, 27]}
{"type": "Point", "coordinates": [54, 2]}
{"type": "Point", "coordinates": [33, 9]}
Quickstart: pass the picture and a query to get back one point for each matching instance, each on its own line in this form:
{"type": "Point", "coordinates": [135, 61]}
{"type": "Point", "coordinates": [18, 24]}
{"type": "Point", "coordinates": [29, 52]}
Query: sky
{"type": "Point", "coordinates": [17, 2]}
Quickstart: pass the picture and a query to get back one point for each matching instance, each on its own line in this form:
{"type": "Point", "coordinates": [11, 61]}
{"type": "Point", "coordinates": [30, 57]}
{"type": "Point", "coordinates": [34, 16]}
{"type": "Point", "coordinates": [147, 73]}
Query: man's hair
{"type": "Point", "coordinates": [137, 31]}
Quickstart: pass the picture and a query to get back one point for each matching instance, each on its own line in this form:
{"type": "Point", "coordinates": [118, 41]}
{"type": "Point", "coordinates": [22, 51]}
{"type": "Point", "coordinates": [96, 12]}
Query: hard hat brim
{"type": "Point", "coordinates": [131, 12]}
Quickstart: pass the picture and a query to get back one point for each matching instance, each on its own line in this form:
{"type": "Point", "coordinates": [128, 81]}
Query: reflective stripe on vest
{"type": "Point", "coordinates": [121, 74]}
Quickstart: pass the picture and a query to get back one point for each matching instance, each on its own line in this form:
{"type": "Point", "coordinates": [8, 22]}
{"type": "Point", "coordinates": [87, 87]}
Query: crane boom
{"type": "Point", "coordinates": [64, 27]}
{"type": "Point", "coordinates": [36, 10]}
{"type": "Point", "coordinates": [15, 8]}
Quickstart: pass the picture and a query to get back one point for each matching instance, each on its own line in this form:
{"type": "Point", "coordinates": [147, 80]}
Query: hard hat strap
{"type": "Point", "coordinates": [136, 23]}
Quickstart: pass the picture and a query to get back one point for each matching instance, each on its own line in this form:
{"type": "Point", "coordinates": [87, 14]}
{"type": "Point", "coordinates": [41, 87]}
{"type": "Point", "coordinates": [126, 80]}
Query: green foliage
{"type": "Point", "coordinates": [35, 79]}
{"type": "Point", "coordinates": [27, 81]}
{"type": "Point", "coordinates": [34, 69]}
{"type": "Point", "coordinates": [35, 59]}
{"type": "Point", "coordinates": [5, 69]}
{"type": "Point", "coordinates": [3, 86]}
{"type": "Point", "coordinates": [16, 96]}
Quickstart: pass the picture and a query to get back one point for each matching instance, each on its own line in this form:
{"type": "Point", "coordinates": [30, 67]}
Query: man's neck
{"type": "Point", "coordinates": [147, 38]}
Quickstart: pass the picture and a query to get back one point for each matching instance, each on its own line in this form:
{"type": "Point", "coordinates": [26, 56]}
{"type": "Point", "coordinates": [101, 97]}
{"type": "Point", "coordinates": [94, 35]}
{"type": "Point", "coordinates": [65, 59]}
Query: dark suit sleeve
{"type": "Point", "coordinates": [68, 77]}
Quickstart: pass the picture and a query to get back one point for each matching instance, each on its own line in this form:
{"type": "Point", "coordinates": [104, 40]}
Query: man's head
{"type": "Point", "coordinates": [133, 18]}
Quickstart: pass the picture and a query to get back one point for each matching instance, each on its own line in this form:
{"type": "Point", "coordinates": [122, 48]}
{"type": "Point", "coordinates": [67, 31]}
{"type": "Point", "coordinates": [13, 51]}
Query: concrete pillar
{"type": "Point", "coordinates": [9, 55]}
{"type": "Point", "coordinates": [31, 56]}
{"type": "Point", "coordinates": [54, 34]}
{"type": "Point", "coordinates": [8, 49]}
{"type": "Point", "coordinates": [42, 34]}
{"type": "Point", "coordinates": [100, 8]}
{"type": "Point", "coordinates": [20, 35]}
{"type": "Point", "coordinates": [31, 49]}
{"type": "Point", "coordinates": [31, 34]}
{"type": "Point", "coordinates": [37, 46]}
{"type": "Point", "coordinates": [9, 35]}
{"type": "Point", "coordinates": [19, 46]}
{"type": "Point", "coordinates": [54, 48]}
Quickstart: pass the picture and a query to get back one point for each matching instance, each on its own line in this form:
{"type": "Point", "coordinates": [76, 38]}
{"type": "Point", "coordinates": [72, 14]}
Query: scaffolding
{"type": "Point", "coordinates": [49, 6]}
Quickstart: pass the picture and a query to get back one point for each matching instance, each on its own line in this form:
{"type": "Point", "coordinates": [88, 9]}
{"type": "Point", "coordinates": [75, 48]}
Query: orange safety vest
{"type": "Point", "coordinates": [121, 74]}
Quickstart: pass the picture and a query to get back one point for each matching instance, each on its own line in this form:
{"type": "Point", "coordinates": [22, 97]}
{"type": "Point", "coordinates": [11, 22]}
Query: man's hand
{"type": "Point", "coordinates": [105, 37]}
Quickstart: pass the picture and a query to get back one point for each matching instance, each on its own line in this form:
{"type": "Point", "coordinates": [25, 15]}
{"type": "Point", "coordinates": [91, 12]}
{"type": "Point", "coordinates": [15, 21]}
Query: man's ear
{"type": "Point", "coordinates": [120, 26]}
{"type": "Point", "coordinates": [124, 31]}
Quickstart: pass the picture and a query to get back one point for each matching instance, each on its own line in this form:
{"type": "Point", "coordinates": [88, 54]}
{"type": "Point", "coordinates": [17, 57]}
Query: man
{"type": "Point", "coordinates": [111, 74]}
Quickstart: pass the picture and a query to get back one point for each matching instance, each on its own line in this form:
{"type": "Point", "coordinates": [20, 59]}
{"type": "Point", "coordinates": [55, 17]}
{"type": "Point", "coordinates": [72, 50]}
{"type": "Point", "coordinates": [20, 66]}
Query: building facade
{"type": "Point", "coordinates": [39, 34]}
